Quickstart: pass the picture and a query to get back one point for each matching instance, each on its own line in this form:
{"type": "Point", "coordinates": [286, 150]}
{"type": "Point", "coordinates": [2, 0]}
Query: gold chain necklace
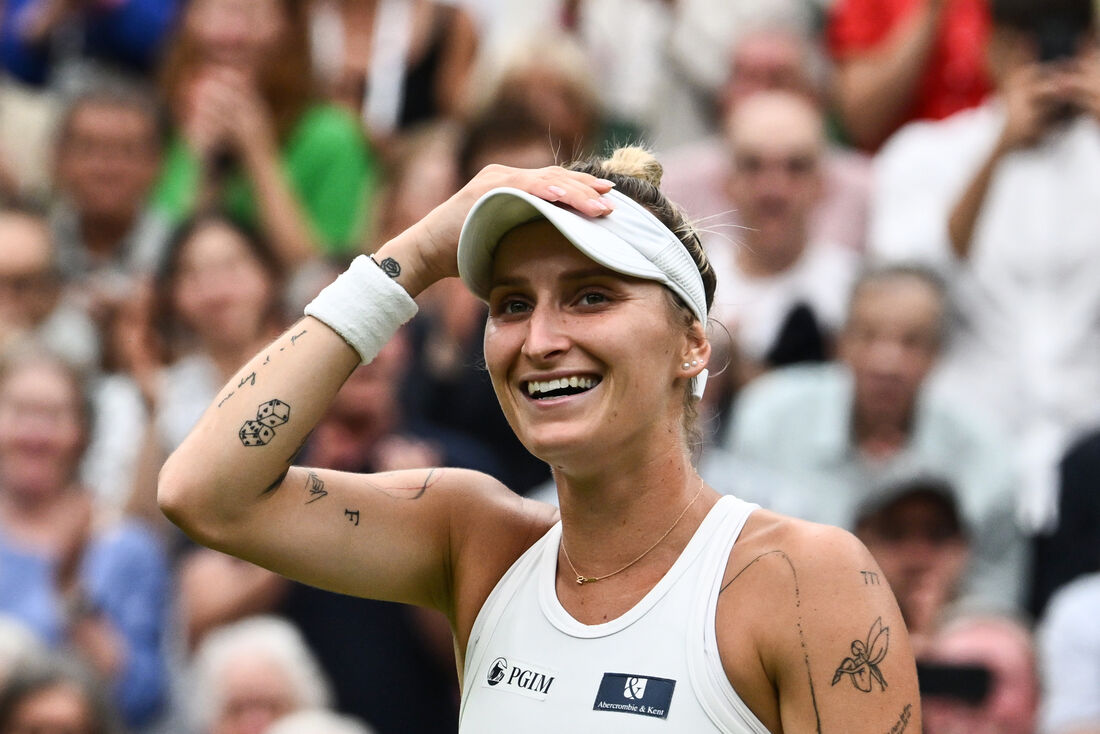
{"type": "Point", "coordinates": [581, 580]}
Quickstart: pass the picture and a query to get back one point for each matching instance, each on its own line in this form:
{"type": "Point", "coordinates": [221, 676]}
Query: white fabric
{"type": "Point", "coordinates": [110, 461]}
{"type": "Point", "coordinates": [794, 427]}
{"type": "Point", "coordinates": [364, 306]}
{"type": "Point", "coordinates": [1026, 350]}
{"type": "Point", "coordinates": [386, 73]}
{"type": "Point", "coordinates": [186, 388]}
{"type": "Point", "coordinates": [629, 240]}
{"type": "Point", "coordinates": [1069, 659]}
{"type": "Point", "coordinates": [669, 634]}
{"type": "Point", "coordinates": [754, 308]}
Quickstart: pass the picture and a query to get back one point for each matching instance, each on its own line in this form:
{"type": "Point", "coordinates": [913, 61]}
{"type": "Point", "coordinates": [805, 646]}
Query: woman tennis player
{"type": "Point", "coordinates": [648, 602]}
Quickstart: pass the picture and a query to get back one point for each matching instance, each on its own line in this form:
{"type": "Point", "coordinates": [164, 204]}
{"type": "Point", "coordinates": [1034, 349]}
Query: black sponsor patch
{"type": "Point", "coordinates": [629, 693]}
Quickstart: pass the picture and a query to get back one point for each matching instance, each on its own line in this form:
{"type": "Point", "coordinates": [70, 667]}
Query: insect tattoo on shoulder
{"type": "Point", "coordinates": [862, 668]}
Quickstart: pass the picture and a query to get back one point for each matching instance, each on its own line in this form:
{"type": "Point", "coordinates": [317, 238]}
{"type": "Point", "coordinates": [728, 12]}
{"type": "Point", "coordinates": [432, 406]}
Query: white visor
{"type": "Point", "coordinates": [629, 240]}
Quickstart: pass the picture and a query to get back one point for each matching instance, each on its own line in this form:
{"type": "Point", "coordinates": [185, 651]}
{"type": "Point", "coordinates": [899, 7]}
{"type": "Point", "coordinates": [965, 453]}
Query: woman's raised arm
{"type": "Point", "coordinates": [398, 535]}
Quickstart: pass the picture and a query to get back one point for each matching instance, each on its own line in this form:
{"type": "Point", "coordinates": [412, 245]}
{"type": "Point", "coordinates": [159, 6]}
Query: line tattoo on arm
{"type": "Point", "coordinates": [411, 492]}
{"type": "Point", "coordinates": [261, 430]}
{"type": "Point", "coordinates": [352, 516]}
{"type": "Point", "coordinates": [903, 720]}
{"type": "Point", "coordinates": [870, 578]}
{"type": "Point", "coordinates": [862, 667]}
{"type": "Point", "coordinates": [798, 623]}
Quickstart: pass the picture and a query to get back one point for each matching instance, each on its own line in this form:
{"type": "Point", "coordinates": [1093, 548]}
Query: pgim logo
{"type": "Point", "coordinates": [519, 677]}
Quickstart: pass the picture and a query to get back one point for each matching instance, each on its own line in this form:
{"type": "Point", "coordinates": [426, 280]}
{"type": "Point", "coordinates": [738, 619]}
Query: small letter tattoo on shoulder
{"type": "Point", "coordinates": [261, 430]}
{"type": "Point", "coordinates": [352, 516]}
{"type": "Point", "coordinates": [862, 667]}
{"type": "Point", "coordinates": [316, 488]}
{"type": "Point", "coordinates": [870, 578]}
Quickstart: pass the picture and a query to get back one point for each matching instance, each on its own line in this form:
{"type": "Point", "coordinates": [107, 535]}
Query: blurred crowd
{"type": "Point", "coordinates": [900, 199]}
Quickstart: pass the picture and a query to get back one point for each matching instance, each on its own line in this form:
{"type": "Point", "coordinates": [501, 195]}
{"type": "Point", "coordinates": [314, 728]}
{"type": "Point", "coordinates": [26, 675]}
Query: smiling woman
{"type": "Point", "coordinates": [671, 602]}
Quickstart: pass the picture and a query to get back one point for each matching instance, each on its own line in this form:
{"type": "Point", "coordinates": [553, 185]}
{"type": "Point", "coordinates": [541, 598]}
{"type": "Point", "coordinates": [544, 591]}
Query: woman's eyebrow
{"type": "Point", "coordinates": [587, 273]}
{"type": "Point", "coordinates": [596, 271]}
{"type": "Point", "coordinates": [507, 282]}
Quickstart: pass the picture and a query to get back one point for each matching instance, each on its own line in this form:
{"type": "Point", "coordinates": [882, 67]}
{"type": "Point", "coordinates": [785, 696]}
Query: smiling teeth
{"type": "Point", "coordinates": [536, 387]}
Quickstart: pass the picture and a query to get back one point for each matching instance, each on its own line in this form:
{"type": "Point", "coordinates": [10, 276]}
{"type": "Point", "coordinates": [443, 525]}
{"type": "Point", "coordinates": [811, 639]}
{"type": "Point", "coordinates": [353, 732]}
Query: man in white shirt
{"type": "Point", "coordinates": [1069, 653]}
{"type": "Point", "coordinates": [1003, 200]}
{"type": "Point", "coordinates": [771, 270]}
{"type": "Point", "coordinates": [838, 436]}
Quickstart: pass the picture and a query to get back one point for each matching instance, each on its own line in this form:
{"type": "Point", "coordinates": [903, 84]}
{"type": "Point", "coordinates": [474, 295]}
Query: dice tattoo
{"type": "Point", "coordinates": [260, 431]}
{"type": "Point", "coordinates": [254, 433]}
{"type": "Point", "coordinates": [273, 413]}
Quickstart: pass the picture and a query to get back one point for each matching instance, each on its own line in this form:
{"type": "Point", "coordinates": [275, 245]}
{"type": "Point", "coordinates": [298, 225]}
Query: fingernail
{"type": "Point", "coordinates": [605, 182]}
{"type": "Point", "coordinates": [556, 190]}
{"type": "Point", "coordinates": [600, 206]}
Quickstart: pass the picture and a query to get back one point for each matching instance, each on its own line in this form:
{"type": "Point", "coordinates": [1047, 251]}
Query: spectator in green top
{"type": "Point", "coordinates": [252, 139]}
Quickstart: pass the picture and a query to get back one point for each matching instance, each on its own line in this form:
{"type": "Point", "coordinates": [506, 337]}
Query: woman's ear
{"type": "Point", "coordinates": [696, 352]}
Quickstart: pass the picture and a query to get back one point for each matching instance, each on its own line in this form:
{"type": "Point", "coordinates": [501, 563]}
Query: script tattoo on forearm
{"type": "Point", "coordinates": [316, 488]}
{"type": "Point", "coordinates": [870, 578]}
{"type": "Point", "coordinates": [261, 430]}
{"type": "Point", "coordinates": [862, 667]}
{"type": "Point", "coordinates": [250, 378]}
{"type": "Point", "coordinates": [903, 720]}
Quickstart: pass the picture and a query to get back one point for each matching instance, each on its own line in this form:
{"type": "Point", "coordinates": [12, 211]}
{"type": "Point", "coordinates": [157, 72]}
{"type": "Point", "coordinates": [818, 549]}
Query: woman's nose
{"type": "Point", "coordinates": [547, 335]}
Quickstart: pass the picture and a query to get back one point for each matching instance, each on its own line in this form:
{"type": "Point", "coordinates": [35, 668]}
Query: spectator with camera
{"type": "Point", "coordinates": [1002, 198]}
{"type": "Point", "coordinates": [979, 676]}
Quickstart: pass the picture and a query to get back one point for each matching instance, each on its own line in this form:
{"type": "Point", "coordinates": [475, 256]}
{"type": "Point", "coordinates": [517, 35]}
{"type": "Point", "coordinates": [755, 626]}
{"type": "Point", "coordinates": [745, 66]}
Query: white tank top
{"type": "Point", "coordinates": [531, 667]}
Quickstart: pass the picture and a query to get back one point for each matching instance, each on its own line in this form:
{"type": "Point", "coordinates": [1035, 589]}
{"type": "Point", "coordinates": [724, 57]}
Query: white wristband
{"type": "Point", "coordinates": [364, 306]}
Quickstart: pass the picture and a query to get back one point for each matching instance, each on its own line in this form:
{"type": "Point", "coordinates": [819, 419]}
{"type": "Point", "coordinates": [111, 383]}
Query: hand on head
{"type": "Point", "coordinates": [434, 254]}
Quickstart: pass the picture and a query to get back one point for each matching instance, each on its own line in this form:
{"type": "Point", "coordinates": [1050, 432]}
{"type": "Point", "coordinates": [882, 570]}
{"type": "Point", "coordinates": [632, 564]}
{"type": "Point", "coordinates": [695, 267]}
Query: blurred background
{"type": "Point", "coordinates": [901, 199]}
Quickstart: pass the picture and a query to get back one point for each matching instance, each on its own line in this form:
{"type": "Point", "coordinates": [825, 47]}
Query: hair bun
{"type": "Point", "coordinates": [636, 162]}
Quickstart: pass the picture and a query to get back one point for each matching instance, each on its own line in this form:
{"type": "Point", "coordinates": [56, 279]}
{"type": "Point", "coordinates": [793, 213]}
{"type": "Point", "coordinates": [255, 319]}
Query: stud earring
{"type": "Point", "coordinates": [694, 362]}
{"type": "Point", "coordinates": [686, 365]}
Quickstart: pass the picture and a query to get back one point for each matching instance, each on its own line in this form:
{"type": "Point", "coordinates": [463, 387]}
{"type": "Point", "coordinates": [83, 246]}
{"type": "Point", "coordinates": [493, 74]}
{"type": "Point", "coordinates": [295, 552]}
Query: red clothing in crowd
{"type": "Point", "coordinates": [955, 77]}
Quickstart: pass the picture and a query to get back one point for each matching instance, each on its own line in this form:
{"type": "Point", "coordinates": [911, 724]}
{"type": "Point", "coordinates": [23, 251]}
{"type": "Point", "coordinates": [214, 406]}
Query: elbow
{"type": "Point", "coordinates": [172, 494]}
{"type": "Point", "coordinates": [180, 499]}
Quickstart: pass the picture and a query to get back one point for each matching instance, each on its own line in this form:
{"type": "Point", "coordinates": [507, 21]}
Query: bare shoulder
{"type": "Point", "coordinates": [493, 531]}
{"type": "Point", "coordinates": [829, 648]}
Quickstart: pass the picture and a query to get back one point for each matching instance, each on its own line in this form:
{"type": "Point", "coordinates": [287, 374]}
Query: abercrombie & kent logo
{"type": "Point", "coordinates": [627, 693]}
{"type": "Point", "coordinates": [518, 677]}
